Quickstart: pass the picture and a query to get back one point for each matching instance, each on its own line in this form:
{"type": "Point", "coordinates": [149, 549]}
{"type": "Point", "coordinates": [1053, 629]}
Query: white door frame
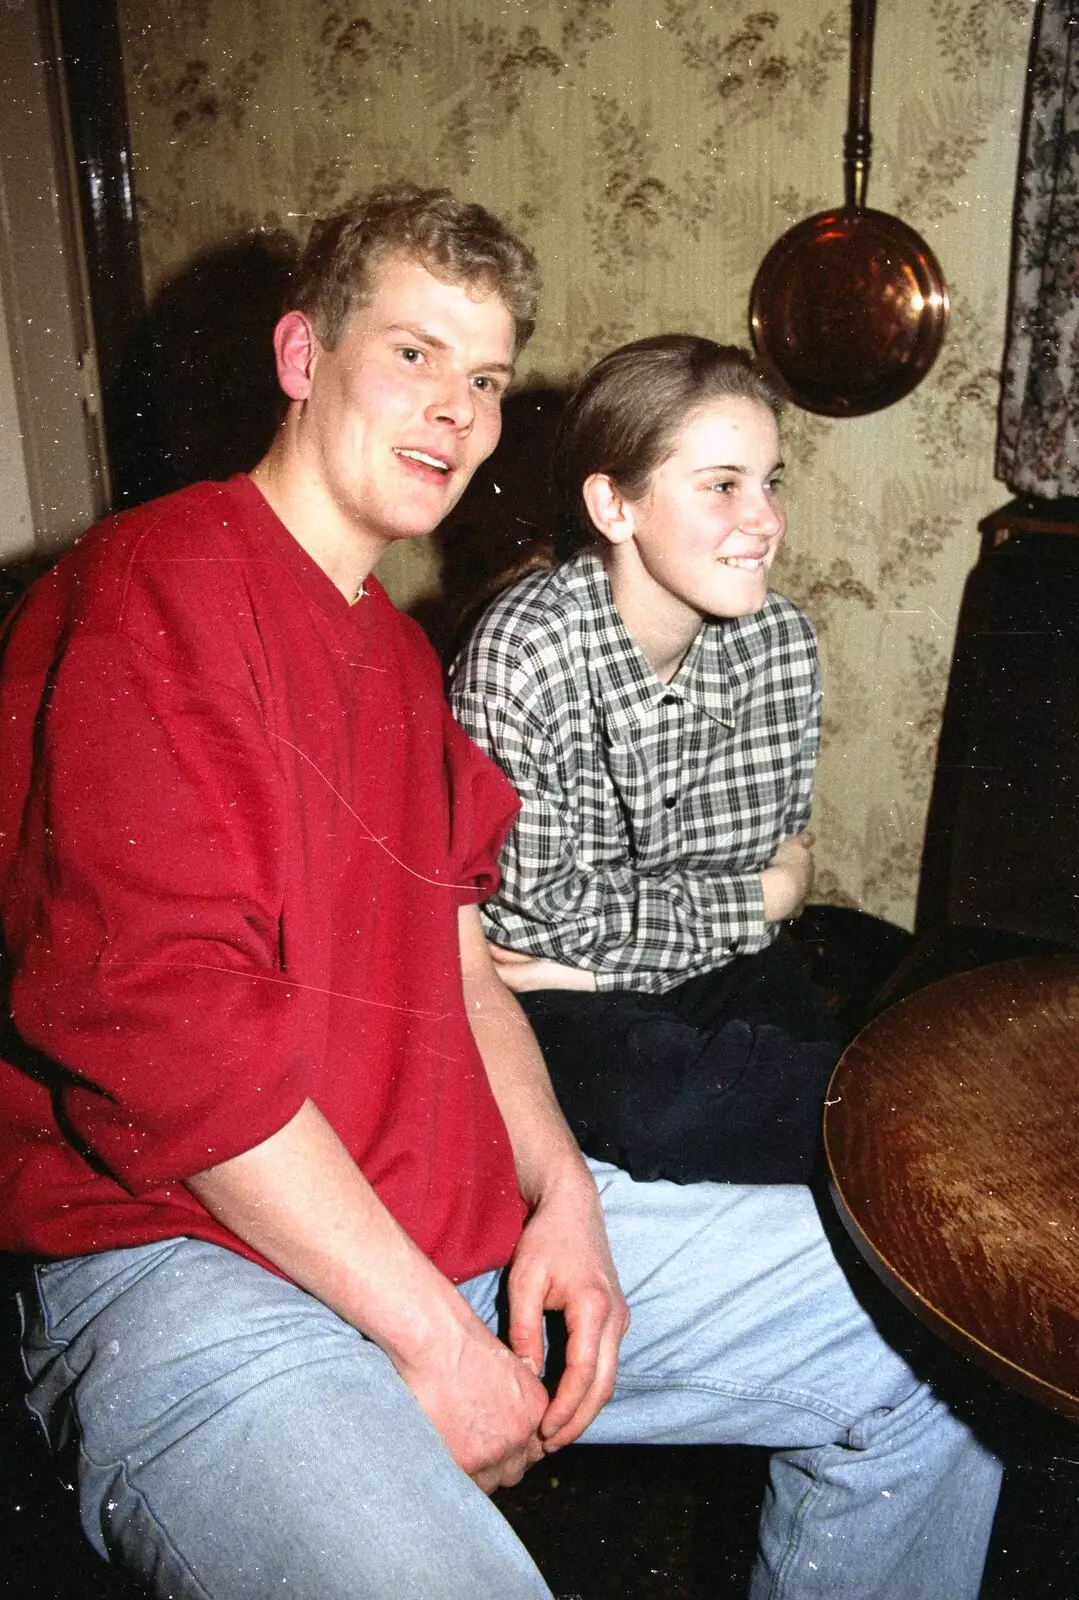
{"type": "Point", "coordinates": [53, 466]}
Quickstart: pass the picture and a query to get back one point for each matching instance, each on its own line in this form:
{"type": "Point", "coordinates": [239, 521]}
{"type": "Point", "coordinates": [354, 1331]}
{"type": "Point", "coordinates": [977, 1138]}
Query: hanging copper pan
{"type": "Point", "coordinates": [850, 306]}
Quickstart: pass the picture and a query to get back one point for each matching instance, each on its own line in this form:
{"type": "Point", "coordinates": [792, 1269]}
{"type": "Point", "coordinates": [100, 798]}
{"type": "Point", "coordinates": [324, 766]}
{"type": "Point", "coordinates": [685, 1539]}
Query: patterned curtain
{"type": "Point", "coordinates": [1038, 446]}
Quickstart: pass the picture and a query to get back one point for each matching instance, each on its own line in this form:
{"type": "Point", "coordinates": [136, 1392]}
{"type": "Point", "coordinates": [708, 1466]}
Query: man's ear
{"type": "Point", "coordinates": [611, 512]}
{"type": "Point", "coordinates": [296, 345]}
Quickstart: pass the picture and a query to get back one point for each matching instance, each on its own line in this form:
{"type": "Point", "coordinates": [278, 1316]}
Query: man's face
{"type": "Point", "coordinates": [402, 411]}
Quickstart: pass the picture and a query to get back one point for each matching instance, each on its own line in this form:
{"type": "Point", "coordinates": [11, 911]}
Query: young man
{"type": "Point", "coordinates": [272, 1128]}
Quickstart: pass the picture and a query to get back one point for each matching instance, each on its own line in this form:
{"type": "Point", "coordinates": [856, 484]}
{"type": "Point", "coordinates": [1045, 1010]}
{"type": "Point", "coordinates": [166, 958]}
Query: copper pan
{"type": "Point", "coordinates": [849, 307]}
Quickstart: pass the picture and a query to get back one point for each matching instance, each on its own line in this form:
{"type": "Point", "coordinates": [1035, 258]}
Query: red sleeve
{"type": "Point", "coordinates": [483, 806]}
{"type": "Point", "coordinates": [142, 909]}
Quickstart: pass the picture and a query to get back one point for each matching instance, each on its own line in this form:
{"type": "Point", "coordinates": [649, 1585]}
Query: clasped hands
{"type": "Point", "coordinates": [484, 1397]}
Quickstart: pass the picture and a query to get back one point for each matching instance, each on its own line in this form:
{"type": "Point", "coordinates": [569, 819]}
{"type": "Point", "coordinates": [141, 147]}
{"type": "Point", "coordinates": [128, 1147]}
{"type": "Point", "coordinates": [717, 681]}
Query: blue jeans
{"type": "Point", "coordinates": [233, 1439]}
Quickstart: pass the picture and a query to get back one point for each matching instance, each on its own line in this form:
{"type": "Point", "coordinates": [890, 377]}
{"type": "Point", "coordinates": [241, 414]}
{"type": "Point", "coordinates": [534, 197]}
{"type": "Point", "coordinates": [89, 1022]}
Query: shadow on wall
{"type": "Point", "coordinates": [197, 394]}
{"type": "Point", "coordinates": [504, 524]}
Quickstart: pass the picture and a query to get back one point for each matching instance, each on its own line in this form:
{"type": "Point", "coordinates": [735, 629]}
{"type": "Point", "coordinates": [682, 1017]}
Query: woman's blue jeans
{"type": "Point", "coordinates": [233, 1439]}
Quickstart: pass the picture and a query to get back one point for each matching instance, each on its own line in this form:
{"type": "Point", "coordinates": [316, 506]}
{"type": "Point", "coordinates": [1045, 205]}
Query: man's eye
{"type": "Point", "coordinates": [484, 384]}
{"type": "Point", "coordinates": [410, 354]}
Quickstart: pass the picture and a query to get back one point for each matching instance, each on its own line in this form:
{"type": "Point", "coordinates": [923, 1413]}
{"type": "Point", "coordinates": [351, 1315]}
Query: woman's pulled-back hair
{"type": "Point", "coordinates": [456, 241]}
{"type": "Point", "coordinates": [623, 417]}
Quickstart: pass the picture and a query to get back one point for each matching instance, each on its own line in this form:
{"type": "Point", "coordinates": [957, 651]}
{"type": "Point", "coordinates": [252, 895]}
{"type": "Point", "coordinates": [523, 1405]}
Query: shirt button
{"type": "Point", "coordinates": [670, 800]}
{"type": "Point", "coordinates": [669, 700]}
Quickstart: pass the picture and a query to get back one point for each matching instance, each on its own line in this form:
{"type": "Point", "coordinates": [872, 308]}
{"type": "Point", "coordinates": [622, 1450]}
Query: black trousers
{"type": "Point", "coordinates": [721, 1078]}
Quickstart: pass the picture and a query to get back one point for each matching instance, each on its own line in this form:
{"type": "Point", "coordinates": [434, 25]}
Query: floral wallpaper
{"type": "Point", "coordinates": [651, 154]}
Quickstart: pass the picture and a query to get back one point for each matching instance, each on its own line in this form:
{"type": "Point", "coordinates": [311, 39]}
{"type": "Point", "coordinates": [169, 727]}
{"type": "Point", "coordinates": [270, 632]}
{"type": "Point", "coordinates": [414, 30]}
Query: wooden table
{"type": "Point", "coordinates": [952, 1133]}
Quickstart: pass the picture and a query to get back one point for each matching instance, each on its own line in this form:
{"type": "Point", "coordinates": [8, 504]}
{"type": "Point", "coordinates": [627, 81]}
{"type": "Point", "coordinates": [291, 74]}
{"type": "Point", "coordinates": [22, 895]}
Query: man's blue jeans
{"type": "Point", "coordinates": [233, 1439]}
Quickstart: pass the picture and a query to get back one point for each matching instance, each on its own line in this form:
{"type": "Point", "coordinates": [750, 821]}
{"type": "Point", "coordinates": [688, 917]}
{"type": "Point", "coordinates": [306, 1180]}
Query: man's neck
{"type": "Point", "coordinates": [343, 554]}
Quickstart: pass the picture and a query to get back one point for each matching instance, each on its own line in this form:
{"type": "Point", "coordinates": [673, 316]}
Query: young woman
{"type": "Point", "coordinates": [657, 710]}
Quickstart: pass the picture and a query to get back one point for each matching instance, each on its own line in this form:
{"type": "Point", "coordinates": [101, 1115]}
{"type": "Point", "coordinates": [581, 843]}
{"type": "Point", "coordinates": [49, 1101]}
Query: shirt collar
{"type": "Point", "coordinates": [715, 675]}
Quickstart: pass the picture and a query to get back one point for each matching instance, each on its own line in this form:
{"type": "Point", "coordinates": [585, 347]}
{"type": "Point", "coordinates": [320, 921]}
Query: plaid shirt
{"type": "Point", "coordinates": [648, 808]}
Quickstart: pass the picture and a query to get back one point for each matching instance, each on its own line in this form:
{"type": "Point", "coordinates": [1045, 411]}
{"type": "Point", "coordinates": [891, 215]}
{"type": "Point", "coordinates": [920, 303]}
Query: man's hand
{"type": "Point", "coordinates": [485, 1401]}
{"type": "Point", "coordinates": [563, 1263]}
{"type": "Point", "coordinates": [521, 973]}
{"type": "Point", "coordinates": [788, 878]}
{"type": "Point", "coordinates": [300, 1199]}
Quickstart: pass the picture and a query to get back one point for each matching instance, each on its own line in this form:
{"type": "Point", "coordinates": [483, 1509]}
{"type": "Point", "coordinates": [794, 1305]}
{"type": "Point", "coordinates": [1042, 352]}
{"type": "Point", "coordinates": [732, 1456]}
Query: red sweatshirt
{"type": "Point", "coordinates": [236, 826]}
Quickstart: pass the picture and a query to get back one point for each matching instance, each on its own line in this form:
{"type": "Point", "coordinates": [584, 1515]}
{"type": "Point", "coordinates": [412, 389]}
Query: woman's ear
{"type": "Point", "coordinates": [611, 512]}
{"type": "Point", "coordinates": [296, 346]}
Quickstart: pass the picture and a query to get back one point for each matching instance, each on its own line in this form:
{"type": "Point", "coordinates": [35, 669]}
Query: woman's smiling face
{"type": "Point", "coordinates": [706, 530]}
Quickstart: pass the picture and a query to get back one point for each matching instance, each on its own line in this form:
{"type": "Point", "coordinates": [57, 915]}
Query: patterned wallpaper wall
{"type": "Point", "coordinates": [651, 153]}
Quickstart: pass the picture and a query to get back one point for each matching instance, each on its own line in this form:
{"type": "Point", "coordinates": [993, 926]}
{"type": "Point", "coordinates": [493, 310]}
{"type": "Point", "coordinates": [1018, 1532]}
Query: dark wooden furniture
{"type": "Point", "coordinates": [1000, 866]}
{"type": "Point", "coordinates": [1002, 845]}
{"type": "Point", "coordinates": [952, 1133]}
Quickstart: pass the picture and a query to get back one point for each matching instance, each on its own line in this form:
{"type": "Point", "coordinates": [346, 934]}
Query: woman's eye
{"type": "Point", "coordinates": [724, 486]}
{"type": "Point", "coordinates": [410, 354]}
{"type": "Point", "coordinates": [774, 485]}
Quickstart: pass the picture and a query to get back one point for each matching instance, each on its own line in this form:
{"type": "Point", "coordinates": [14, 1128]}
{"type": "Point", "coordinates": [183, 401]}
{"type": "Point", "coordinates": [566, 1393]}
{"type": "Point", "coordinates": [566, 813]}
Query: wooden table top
{"type": "Point", "coordinates": [952, 1133]}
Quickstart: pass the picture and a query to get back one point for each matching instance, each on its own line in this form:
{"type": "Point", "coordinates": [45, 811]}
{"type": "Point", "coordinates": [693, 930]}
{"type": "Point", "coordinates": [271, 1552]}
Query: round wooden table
{"type": "Point", "coordinates": [952, 1133]}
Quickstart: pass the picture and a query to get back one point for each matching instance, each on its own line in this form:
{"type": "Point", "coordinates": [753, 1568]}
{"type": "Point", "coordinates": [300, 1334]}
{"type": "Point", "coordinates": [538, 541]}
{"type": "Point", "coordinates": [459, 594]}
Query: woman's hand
{"type": "Point", "coordinates": [788, 878]}
{"type": "Point", "coordinates": [522, 973]}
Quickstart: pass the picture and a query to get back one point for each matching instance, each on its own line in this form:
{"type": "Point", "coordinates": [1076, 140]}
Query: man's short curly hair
{"type": "Point", "coordinates": [456, 241]}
